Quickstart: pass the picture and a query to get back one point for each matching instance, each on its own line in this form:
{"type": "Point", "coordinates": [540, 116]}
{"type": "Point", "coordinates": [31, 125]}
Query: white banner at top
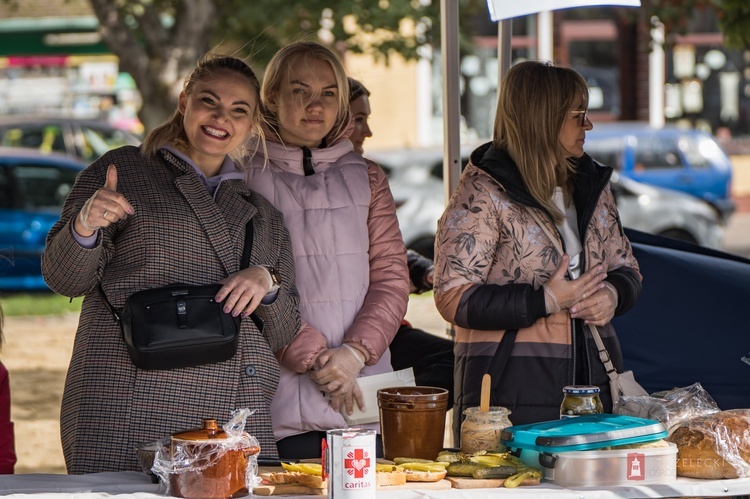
{"type": "Point", "coordinates": [507, 9]}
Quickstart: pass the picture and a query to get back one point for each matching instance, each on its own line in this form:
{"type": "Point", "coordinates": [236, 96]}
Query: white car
{"type": "Point", "coordinates": [416, 180]}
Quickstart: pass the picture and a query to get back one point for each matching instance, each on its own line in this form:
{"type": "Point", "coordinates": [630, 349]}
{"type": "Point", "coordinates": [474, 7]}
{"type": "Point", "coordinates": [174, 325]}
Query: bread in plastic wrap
{"type": "Point", "coordinates": [714, 446]}
{"type": "Point", "coordinates": [670, 407]}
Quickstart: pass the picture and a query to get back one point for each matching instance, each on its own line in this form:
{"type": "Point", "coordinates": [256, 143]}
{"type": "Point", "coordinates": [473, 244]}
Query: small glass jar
{"type": "Point", "coordinates": [579, 400]}
{"type": "Point", "coordinates": [481, 430]}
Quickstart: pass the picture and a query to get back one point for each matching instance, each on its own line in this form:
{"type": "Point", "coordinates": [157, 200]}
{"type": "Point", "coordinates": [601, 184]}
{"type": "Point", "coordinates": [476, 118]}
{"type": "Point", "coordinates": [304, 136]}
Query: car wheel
{"type": "Point", "coordinates": [680, 235]}
{"type": "Point", "coordinates": [425, 246]}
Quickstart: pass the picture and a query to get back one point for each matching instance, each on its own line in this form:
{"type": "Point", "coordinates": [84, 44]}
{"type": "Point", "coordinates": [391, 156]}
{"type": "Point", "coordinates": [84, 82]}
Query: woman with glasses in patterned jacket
{"type": "Point", "coordinates": [530, 253]}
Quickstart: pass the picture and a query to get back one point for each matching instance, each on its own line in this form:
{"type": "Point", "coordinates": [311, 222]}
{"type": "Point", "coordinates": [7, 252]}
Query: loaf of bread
{"type": "Point", "coordinates": [714, 446]}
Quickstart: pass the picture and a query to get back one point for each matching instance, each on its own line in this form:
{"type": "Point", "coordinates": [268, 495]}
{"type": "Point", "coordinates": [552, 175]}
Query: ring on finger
{"type": "Point", "coordinates": [584, 296]}
{"type": "Point", "coordinates": [104, 214]}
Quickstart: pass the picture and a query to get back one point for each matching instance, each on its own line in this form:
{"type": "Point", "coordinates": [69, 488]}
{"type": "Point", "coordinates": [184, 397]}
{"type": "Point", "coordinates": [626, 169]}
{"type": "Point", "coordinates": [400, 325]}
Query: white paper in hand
{"type": "Point", "coordinates": [370, 386]}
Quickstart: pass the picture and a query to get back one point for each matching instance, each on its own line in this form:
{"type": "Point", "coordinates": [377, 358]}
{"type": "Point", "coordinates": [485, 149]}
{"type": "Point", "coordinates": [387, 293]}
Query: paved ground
{"type": "Point", "coordinates": [37, 352]}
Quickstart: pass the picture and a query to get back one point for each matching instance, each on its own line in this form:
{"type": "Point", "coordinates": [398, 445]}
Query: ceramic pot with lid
{"type": "Point", "coordinates": [208, 463]}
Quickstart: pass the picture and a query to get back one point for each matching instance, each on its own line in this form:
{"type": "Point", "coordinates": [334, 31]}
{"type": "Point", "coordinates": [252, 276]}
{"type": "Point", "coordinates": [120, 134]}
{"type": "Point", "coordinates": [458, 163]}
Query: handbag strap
{"type": "Point", "coordinates": [244, 263]}
{"type": "Point", "coordinates": [111, 309]}
{"type": "Point", "coordinates": [603, 353]}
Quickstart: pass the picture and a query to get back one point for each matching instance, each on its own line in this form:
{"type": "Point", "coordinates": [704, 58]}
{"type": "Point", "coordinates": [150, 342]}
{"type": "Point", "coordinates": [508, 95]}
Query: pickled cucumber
{"type": "Point", "coordinates": [491, 460]}
{"type": "Point", "coordinates": [307, 468]}
{"type": "Point", "coordinates": [465, 469]}
{"type": "Point", "coordinates": [431, 466]}
{"type": "Point", "coordinates": [447, 456]}
{"type": "Point", "coordinates": [495, 472]}
{"type": "Point", "coordinates": [402, 460]}
{"type": "Point", "coordinates": [517, 479]}
{"type": "Point", "coordinates": [386, 468]}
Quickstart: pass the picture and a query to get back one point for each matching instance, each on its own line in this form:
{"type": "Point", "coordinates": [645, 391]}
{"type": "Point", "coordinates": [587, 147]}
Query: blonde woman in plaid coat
{"type": "Point", "coordinates": [172, 211]}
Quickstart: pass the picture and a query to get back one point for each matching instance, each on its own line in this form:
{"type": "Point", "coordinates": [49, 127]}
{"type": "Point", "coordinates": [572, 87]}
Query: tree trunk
{"type": "Point", "coordinates": [157, 56]}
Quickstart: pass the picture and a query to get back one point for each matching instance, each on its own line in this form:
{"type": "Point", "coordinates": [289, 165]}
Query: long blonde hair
{"type": "Point", "coordinates": [172, 131]}
{"type": "Point", "coordinates": [277, 73]}
{"type": "Point", "coordinates": [535, 100]}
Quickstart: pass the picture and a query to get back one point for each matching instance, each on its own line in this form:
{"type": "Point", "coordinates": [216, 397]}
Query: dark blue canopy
{"type": "Point", "coordinates": [692, 320]}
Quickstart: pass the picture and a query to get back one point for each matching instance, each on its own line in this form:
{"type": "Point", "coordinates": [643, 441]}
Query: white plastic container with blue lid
{"type": "Point", "coordinates": [577, 452]}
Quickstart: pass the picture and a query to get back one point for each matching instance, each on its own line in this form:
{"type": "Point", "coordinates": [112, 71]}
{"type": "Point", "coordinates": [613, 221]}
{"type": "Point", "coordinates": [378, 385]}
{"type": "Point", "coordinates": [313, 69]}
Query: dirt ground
{"type": "Point", "coordinates": [37, 352]}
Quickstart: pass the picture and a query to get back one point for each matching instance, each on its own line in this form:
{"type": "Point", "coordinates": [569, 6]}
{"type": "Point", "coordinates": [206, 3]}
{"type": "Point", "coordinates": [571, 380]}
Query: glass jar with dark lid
{"type": "Point", "coordinates": [579, 400]}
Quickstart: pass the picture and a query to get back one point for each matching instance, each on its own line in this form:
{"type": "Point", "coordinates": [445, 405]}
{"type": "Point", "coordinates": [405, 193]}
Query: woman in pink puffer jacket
{"type": "Point", "coordinates": [349, 255]}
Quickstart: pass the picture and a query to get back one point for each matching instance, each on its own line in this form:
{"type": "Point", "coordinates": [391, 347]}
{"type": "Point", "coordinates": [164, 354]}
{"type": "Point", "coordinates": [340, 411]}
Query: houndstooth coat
{"type": "Point", "coordinates": [179, 233]}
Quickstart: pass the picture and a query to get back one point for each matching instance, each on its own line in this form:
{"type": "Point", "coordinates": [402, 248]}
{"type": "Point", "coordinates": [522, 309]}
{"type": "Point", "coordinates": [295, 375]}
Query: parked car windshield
{"type": "Point", "coordinates": [84, 139]}
{"type": "Point", "coordinates": [606, 151]}
{"type": "Point", "coordinates": [655, 152]}
{"type": "Point", "coordinates": [97, 141]}
{"type": "Point", "coordinates": [43, 188]}
{"type": "Point", "coordinates": [703, 151]}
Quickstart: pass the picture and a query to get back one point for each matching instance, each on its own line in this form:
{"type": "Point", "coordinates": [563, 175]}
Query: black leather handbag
{"type": "Point", "coordinates": [180, 325]}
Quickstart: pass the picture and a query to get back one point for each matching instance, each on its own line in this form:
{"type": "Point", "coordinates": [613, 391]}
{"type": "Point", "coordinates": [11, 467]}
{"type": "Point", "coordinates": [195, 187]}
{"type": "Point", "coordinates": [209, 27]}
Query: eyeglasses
{"type": "Point", "coordinates": [583, 114]}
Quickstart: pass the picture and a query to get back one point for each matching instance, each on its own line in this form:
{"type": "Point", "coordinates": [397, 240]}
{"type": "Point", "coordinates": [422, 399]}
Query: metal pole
{"type": "Point", "coordinates": [545, 35]}
{"type": "Point", "coordinates": [504, 49]}
{"type": "Point", "coordinates": [451, 96]}
{"type": "Point", "coordinates": [656, 69]}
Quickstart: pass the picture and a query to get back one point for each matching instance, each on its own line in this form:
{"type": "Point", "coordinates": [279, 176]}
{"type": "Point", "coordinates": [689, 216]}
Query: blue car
{"type": "Point", "coordinates": [33, 188]}
{"type": "Point", "coordinates": [683, 160]}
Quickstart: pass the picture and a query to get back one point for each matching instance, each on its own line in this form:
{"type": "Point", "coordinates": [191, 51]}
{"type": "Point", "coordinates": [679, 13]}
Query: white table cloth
{"type": "Point", "coordinates": [134, 485]}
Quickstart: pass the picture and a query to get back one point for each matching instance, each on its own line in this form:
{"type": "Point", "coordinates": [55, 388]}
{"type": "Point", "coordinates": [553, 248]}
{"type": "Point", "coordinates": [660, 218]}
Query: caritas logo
{"type": "Point", "coordinates": [635, 466]}
{"type": "Point", "coordinates": [357, 467]}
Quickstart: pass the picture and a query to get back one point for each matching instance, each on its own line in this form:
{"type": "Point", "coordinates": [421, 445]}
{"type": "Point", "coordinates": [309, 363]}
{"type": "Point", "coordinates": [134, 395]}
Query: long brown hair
{"type": "Point", "coordinates": [172, 131]}
{"type": "Point", "coordinates": [535, 100]}
{"type": "Point", "coordinates": [277, 71]}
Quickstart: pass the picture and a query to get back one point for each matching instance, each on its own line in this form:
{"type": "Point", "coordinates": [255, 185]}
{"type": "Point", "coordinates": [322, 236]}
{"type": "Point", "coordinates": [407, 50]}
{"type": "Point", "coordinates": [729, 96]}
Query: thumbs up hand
{"type": "Point", "coordinates": [105, 207]}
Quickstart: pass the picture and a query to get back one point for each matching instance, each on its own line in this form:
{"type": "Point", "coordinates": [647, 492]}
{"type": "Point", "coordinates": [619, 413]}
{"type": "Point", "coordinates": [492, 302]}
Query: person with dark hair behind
{"type": "Point", "coordinates": [433, 366]}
